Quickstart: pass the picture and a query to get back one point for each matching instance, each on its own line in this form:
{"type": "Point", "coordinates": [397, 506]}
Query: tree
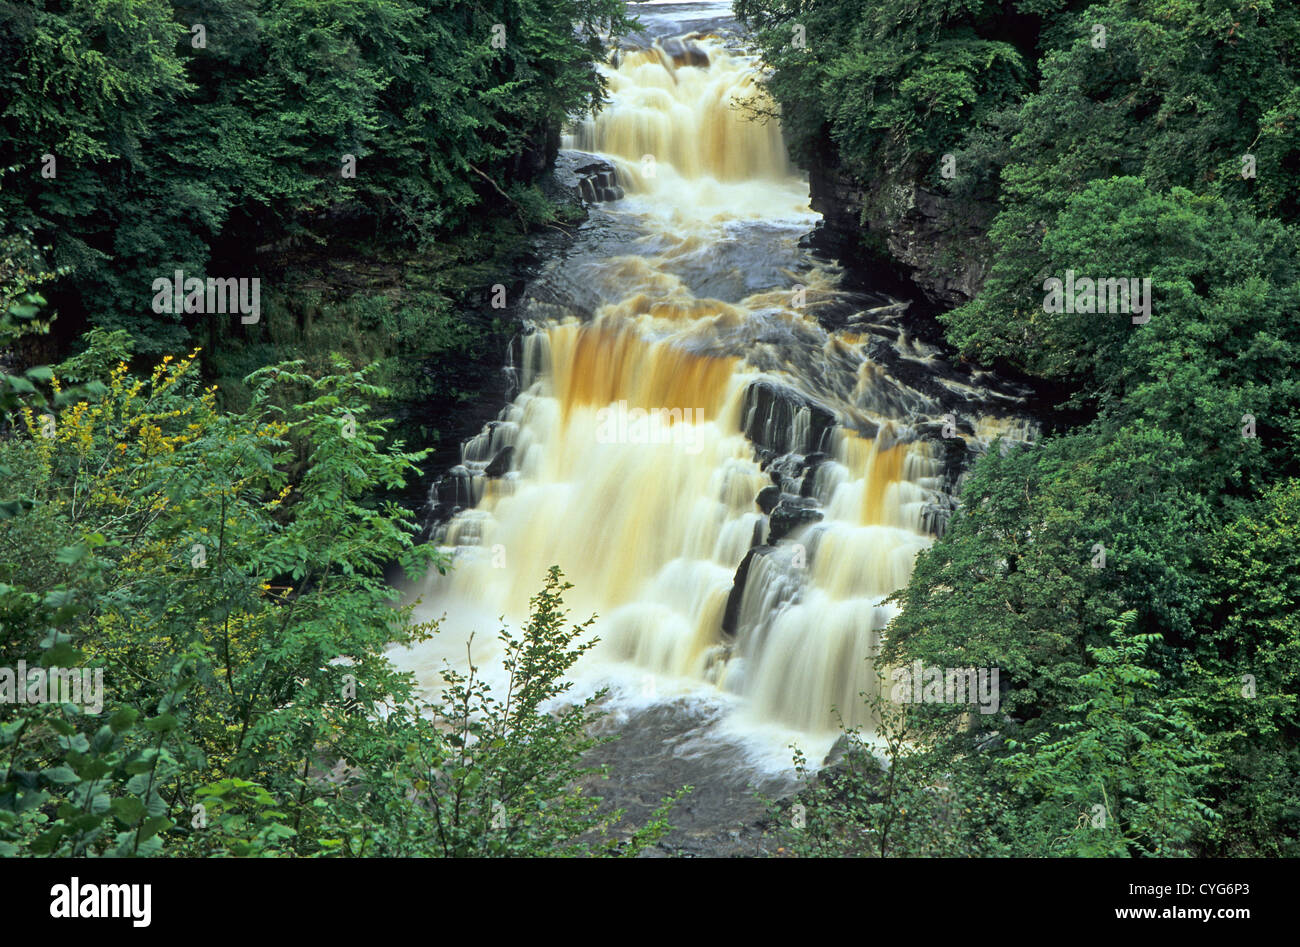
{"type": "Point", "coordinates": [226, 575]}
{"type": "Point", "coordinates": [1130, 763]}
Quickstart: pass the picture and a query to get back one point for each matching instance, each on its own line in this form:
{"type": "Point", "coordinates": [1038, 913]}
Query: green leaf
{"type": "Point", "coordinates": [62, 655]}
{"type": "Point", "coordinates": [61, 775]}
{"type": "Point", "coordinates": [123, 718]}
{"type": "Point", "coordinates": [163, 723]}
{"type": "Point", "coordinates": [94, 768]}
{"type": "Point", "coordinates": [71, 555]}
{"type": "Point", "coordinates": [47, 842]}
{"type": "Point", "coordinates": [155, 825]}
{"type": "Point", "coordinates": [128, 809]}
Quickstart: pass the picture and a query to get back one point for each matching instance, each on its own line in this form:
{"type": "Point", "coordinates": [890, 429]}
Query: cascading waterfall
{"type": "Point", "coordinates": [731, 487]}
{"type": "Point", "coordinates": [690, 108]}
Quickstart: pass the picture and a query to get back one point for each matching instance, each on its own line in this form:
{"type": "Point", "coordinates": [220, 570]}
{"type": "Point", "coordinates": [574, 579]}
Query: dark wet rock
{"type": "Point", "coordinates": [768, 498]}
{"type": "Point", "coordinates": [883, 318]}
{"type": "Point", "coordinates": [594, 179]}
{"type": "Point", "coordinates": [934, 430]}
{"type": "Point", "coordinates": [500, 465]}
{"type": "Point", "coordinates": [867, 430]}
{"type": "Point", "coordinates": [809, 472]}
{"type": "Point", "coordinates": [791, 513]}
{"type": "Point", "coordinates": [454, 489]}
{"type": "Point", "coordinates": [839, 749]}
{"type": "Point", "coordinates": [731, 614]}
{"type": "Point", "coordinates": [737, 263]}
{"type": "Point", "coordinates": [936, 514]}
{"type": "Point", "coordinates": [768, 415]}
{"type": "Point", "coordinates": [866, 765]}
{"type": "Point", "coordinates": [938, 242]}
{"type": "Point", "coordinates": [955, 453]}
{"type": "Point", "coordinates": [787, 472]}
{"type": "Point", "coordinates": [685, 53]}
{"type": "Point", "coordinates": [665, 747]}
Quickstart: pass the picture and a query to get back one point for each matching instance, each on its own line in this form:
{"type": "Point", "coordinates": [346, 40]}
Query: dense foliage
{"type": "Point", "coordinates": [1132, 576]}
{"type": "Point", "coordinates": [225, 575]}
{"type": "Point", "coordinates": [145, 136]}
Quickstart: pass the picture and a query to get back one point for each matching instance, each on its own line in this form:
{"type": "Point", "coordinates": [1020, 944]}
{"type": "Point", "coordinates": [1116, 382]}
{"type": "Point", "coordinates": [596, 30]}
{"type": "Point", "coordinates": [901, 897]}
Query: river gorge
{"type": "Point", "coordinates": [732, 451]}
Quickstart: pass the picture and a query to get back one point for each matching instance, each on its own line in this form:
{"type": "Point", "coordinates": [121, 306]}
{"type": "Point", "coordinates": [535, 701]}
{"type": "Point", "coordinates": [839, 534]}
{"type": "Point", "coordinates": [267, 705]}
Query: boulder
{"type": "Point", "coordinates": [768, 498]}
{"type": "Point", "coordinates": [789, 514]}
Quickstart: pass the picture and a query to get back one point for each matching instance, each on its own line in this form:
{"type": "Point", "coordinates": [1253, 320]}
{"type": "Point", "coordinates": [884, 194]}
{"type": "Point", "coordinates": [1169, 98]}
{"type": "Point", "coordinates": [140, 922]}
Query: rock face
{"type": "Point", "coordinates": [731, 615]}
{"type": "Point", "coordinates": [770, 413]}
{"type": "Point", "coordinates": [597, 182]}
{"type": "Point", "coordinates": [934, 241]}
{"type": "Point", "coordinates": [768, 498]}
{"type": "Point", "coordinates": [791, 513]}
{"type": "Point", "coordinates": [500, 465]}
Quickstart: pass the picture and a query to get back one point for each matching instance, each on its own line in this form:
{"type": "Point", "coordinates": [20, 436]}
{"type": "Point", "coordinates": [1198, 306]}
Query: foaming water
{"type": "Point", "coordinates": [701, 111]}
{"type": "Point", "coordinates": [732, 488]}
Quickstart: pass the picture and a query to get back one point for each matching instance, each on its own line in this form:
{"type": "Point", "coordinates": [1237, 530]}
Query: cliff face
{"type": "Point", "coordinates": [934, 241]}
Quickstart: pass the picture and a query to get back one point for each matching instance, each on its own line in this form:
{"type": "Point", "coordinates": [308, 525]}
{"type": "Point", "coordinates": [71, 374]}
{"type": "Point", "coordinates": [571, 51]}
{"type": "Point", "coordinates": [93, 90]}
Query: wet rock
{"type": "Point", "coordinates": [934, 430]}
{"type": "Point", "coordinates": [938, 241]}
{"type": "Point", "coordinates": [768, 498]}
{"type": "Point", "coordinates": [597, 181]}
{"type": "Point", "coordinates": [782, 420]}
{"type": "Point", "coordinates": [789, 514]}
{"type": "Point", "coordinates": [454, 490]}
{"type": "Point", "coordinates": [839, 749]}
{"type": "Point", "coordinates": [786, 472]}
{"type": "Point", "coordinates": [955, 454]}
{"type": "Point", "coordinates": [936, 514]}
{"type": "Point", "coordinates": [500, 465]}
{"type": "Point", "coordinates": [665, 747]}
{"type": "Point", "coordinates": [809, 472]}
{"type": "Point", "coordinates": [731, 614]}
{"type": "Point", "coordinates": [685, 53]}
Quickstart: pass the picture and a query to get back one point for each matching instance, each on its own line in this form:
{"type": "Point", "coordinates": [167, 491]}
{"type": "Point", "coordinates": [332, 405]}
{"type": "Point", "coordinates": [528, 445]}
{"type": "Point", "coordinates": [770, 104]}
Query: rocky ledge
{"type": "Point", "coordinates": [934, 241]}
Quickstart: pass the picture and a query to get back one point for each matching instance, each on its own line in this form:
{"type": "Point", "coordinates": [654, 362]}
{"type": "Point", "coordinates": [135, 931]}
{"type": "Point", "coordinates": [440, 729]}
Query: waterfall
{"type": "Point", "coordinates": [731, 486]}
